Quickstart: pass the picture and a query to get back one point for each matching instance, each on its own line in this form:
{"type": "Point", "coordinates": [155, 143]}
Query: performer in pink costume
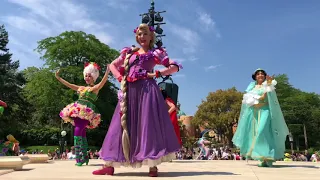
{"type": "Point", "coordinates": [2, 106]}
{"type": "Point", "coordinates": [141, 130]}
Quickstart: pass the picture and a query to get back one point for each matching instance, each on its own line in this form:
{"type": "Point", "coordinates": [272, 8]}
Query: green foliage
{"type": "Point", "coordinates": [220, 110]}
{"type": "Point", "coordinates": [46, 94]}
{"type": "Point", "coordinates": [11, 83]}
{"type": "Point", "coordinates": [73, 48]}
{"type": "Point", "coordinates": [40, 136]}
{"type": "Point", "coordinates": [295, 129]}
{"type": "Point", "coordinates": [299, 108]}
{"type": "Point", "coordinates": [189, 142]}
{"type": "Point", "coordinates": [284, 88]}
{"type": "Point", "coordinates": [45, 149]}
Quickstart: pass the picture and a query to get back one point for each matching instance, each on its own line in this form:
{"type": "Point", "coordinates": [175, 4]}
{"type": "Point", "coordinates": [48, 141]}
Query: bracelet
{"type": "Point", "coordinates": [269, 82]}
{"type": "Point", "coordinates": [158, 74]}
{"type": "Point", "coordinates": [120, 78]}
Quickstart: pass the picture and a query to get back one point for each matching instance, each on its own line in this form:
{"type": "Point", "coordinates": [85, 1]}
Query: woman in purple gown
{"type": "Point", "coordinates": [141, 132]}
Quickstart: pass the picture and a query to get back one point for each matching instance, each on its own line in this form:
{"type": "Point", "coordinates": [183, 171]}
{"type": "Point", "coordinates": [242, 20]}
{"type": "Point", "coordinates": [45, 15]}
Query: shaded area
{"type": "Point", "coordinates": [26, 169]}
{"type": "Point", "coordinates": [94, 164]}
{"type": "Point", "coordinates": [177, 174]}
{"type": "Point", "coordinates": [189, 161]}
{"type": "Point", "coordinates": [295, 166]}
{"type": "Point", "coordinates": [288, 166]}
{"type": "Point", "coordinates": [180, 161]}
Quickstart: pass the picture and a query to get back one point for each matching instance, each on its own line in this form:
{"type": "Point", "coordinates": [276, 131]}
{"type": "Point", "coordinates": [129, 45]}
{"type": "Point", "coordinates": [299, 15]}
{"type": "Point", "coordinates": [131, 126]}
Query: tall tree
{"type": "Point", "coordinates": [47, 96]}
{"type": "Point", "coordinates": [220, 111]}
{"type": "Point", "coordinates": [299, 108]}
{"type": "Point", "coordinates": [11, 82]}
{"type": "Point", "coordinates": [73, 48]}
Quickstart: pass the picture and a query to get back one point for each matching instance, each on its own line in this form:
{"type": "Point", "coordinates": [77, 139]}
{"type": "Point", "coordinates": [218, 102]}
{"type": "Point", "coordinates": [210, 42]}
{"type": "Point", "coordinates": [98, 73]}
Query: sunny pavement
{"type": "Point", "coordinates": [186, 170]}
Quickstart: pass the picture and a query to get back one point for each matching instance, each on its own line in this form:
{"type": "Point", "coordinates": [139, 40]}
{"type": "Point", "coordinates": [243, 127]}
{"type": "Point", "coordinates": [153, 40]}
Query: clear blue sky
{"type": "Point", "coordinates": [219, 42]}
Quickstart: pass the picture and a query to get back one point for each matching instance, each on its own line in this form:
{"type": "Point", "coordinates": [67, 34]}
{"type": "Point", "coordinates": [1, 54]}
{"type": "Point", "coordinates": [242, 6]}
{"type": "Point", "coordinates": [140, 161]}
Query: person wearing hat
{"type": "Point", "coordinates": [261, 131]}
{"type": "Point", "coordinates": [287, 157]}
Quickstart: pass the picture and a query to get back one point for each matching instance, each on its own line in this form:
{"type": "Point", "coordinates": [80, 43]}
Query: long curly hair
{"type": "Point", "coordinates": [124, 106]}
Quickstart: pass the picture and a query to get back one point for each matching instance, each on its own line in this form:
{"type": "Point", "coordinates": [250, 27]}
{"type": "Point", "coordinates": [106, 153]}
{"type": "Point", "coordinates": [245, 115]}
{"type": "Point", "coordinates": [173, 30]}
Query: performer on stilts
{"type": "Point", "coordinates": [173, 114]}
{"type": "Point", "coordinates": [204, 149]}
{"type": "Point", "coordinates": [262, 130]}
{"type": "Point", "coordinates": [140, 131]}
{"type": "Point", "coordinates": [83, 113]}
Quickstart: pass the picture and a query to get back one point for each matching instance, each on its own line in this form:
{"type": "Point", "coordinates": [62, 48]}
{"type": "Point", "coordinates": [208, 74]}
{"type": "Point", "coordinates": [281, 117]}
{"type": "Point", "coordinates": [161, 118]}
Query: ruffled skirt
{"type": "Point", "coordinates": [82, 111]}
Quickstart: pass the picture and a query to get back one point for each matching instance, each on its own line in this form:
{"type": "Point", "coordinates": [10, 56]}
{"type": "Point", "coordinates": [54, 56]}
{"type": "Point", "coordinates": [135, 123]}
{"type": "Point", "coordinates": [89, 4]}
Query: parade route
{"type": "Point", "coordinates": [187, 170]}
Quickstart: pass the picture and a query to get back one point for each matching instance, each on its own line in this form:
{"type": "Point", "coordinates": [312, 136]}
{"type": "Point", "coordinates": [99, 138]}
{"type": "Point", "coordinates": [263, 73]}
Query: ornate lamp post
{"type": "Point", "coordinates": [62, 142]}
{"type": "Point", "coordinates": [291, 142]}
{"type": "Point", "coordinates": [153, 18]}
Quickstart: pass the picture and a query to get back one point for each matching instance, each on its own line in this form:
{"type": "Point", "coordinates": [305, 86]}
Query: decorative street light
{"type": "Point", "coordinates": [62, 141]}
{"type": "Point", "coordinates": [153, 18]}
{"type": "Point", "coordinates": [291, 141]}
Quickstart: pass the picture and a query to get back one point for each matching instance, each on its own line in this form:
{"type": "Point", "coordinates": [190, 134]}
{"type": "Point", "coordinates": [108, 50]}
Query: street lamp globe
{"type": "Point", "coordinates": [159, 30]}
{"type": "Point", "coordinates": [145, 19]}
{"type": "Point", "coordinates": [290, 137]}
{"type": "Point", "coordinates": [63, 133]}
{"type": "Point", "coordinates": [158, 17]}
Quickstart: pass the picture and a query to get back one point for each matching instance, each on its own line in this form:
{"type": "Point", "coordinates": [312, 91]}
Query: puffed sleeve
{"type": "Point", "coordinates": [161, 57]}
{"type": "Point", "coordinates": [116, 65]}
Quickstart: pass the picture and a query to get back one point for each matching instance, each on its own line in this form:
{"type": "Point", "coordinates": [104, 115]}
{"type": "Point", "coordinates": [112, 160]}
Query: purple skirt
{"type": "Point", "coordinates": [152, 136]}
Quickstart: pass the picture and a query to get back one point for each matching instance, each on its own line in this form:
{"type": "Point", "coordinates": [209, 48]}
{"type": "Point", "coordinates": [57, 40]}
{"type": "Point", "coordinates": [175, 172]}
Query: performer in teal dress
{"type": "Point", "coordinates": [262, 131]}
{"type": "Point", "coordinates": [83, 113]}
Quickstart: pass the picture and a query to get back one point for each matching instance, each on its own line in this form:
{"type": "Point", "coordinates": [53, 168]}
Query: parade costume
{"type": "Point", "coordinates": [261, 131]}
{"type": "Point", "coordinates": [82, 114]}
{"type": "Point", "coordinates": [204, 150]}
{"type": "Point", "coordinates": [2, 106]}
{"type": "Point", "coordinates": [173, 117]}
{"type": "Point", "coordinates": [140, 132]}
{"type": "Point", "coordinates": [180, 113]}
{"type": "Point", "coordinates": [10, 147]}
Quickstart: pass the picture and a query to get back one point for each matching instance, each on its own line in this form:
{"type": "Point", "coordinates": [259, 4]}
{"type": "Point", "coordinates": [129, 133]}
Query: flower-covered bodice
{"type": "Point", "coordinates": [86, 95]}
{"type": "Point", "coordinates": [141, 64]}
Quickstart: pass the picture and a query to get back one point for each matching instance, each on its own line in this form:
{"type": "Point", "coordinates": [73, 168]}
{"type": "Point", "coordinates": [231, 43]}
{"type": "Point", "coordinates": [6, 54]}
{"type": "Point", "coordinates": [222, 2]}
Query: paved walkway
{"type": "Point", "coordinates": [186, 170]}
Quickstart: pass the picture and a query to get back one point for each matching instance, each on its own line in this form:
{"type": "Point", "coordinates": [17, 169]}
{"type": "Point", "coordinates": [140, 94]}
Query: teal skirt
{"type": "Point", "coordinates": [254, 135]}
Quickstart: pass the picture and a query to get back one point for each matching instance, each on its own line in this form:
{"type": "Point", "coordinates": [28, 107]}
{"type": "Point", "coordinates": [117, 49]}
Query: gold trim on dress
{"type": "Point", "coordinates": [255, 129]}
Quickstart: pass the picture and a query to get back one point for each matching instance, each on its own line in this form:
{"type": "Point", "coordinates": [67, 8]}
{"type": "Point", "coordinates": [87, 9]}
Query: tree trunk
{"type": "Point", "coordinates": [230, 143]}
{"type": "Point", "coordinates": [305, 136]}
{"type": "Point", "coordinates": [230, 136]}
{"type": "Point", "coordinates": [297, 143]}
